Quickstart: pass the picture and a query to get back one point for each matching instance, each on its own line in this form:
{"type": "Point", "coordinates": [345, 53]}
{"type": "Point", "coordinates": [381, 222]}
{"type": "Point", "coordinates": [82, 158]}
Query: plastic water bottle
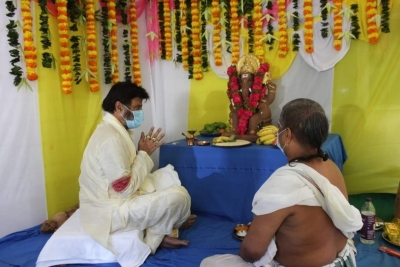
{"type": "Point", "coordinates": [368, 217]}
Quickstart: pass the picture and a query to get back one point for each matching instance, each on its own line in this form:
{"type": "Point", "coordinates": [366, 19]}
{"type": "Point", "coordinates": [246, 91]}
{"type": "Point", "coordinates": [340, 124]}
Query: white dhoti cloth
{"type": "Point", "coordinates": [287, 187]}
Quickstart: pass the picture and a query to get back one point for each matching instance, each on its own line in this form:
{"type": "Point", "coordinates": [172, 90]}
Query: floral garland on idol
{"type": "Point", "coordinates": [246, 110]}
{"type": "Point", "coordinates": [65, 66]}
{"type": "Point", "coordinates": [29, 45]}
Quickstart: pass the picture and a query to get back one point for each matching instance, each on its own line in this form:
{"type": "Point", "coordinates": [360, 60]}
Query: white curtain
{"type": "Point", "coordinates": [22, 190]}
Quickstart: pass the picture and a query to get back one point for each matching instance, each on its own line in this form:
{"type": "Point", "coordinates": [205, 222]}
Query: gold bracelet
{"type": "Point", "coordinates": [271, 91]}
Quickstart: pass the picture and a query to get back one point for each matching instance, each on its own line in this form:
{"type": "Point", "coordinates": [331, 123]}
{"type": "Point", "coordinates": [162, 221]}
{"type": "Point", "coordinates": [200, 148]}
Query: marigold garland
{"type": "Point", "coordinates": [372, 28]}
{"type": "Point", "coordinates": [185, 37]}
{"type": "Point", "coordinates": [245, 109]}
{"type": "Point", "coordinates": [197, 70]}
{"type": "Point", "coordinates": [137, 77]}
{"type": "Point", "coordinates": [308, 26]}
{"type": "Point", "coordinates": [283, 36]}
{"type": "Point", "coordinates": [91, 45]}
{"type": "Point", "coordinates": [29, 45]}
{"type": "Point", "coordinates": [167, 30]}
{"type": "Point", "coordinates": [65, 65]}
{"type": "Point", "coordinates": [258, 32]}
{"type": "Point", "coordinates": [216, 33]}
{"type": "Point", "coordinates": [337, 25]}
{"type": "Point", "coordinates": [235, 31]}
{"type": "Point", "coordinates": [112, 20]}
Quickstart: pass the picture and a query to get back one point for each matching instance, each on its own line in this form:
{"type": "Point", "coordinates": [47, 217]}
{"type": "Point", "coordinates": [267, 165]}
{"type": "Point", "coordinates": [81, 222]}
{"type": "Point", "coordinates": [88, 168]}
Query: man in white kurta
{"type": "Point", "coordinates": [118, 192]}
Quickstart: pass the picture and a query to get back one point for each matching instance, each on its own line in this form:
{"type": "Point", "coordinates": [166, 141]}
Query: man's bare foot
{"type": "Point", "coordinates": [189, 222]}
{"type": "Point", "coordinates": [172, 242]}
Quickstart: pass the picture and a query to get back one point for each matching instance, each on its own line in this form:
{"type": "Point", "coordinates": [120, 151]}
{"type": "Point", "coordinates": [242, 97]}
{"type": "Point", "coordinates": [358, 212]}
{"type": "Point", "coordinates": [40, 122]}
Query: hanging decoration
{"type": "Point", "coordinates": [337, 25]}
{"type": "Point", "coordinates": [308, 26]}
{"type": "Point", "coordinates": [65, 60]}
{"type": "Point", "coordinates": [29, 44]}
{"type": "Point", "coordinates": [112, 20]}
{"type": "Point", "coordinates": [355, 26]}
{"type": "Point", "coordinates": [283, 36]}
{"type": "Point", "coordinates": [137, 77]}
{"type": "Point", "coordinates": [47, 57]}
{"type": "Point", "coordinates": [258, 31]}
{"type": "Point", "coordinates": [185, 34]}
{"type": "Point", "coordinates": [13, 41]}
{"type": "Point", "coordinates": [235, 31]}
{"type": "Point", "coordinates": [107, 70]}
{"type": "Point", "coordinates": [167, 30]}
{"type": "Point", "coordinates": [372, 28]}
{"type": "Point", "coordinates": [184, 26]}
{"type": "Point", "coordinates": [204, 36]}
{"type": "Point", "coordinates": [91, 46]}
{"type": "Point", "coordinates": [217, 50]}
{"type": "Point", "coordinates": [385, 16]}
{"type": "Point", "coordinates": [197, 70]}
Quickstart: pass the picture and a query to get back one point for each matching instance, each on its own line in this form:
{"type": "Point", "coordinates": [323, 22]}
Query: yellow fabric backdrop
{"type": "Point", "coordinates": [208, 101]}
{"type": "Point", "coordinates": [66, 123]}
{"type": "Point", "coordinates": [366, 111]}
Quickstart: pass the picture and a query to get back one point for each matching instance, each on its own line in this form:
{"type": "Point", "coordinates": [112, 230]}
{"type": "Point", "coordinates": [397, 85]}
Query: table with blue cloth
{"type": "Point", "coordinates": [222, 181]}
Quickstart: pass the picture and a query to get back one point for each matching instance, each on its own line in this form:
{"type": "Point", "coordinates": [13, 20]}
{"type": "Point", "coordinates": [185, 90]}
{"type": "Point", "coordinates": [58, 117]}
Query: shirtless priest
{"type": "Point", "coordinates": [117, 190]}
{"type": "Point", "coordinates": [302, 216]}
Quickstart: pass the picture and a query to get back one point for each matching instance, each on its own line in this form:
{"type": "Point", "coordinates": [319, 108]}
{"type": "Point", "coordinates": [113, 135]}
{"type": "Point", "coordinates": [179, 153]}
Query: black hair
{"type": "Point", "coordinates": [123, 92]}
{"type": "Point", "coordinates": [309, 124]}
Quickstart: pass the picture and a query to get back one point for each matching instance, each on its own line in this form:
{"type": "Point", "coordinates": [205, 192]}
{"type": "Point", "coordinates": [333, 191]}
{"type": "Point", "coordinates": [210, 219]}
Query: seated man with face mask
{"type": "Point", "coordinates": [302, 216]}
{"type": "Point", "coordinates": [117, 190]}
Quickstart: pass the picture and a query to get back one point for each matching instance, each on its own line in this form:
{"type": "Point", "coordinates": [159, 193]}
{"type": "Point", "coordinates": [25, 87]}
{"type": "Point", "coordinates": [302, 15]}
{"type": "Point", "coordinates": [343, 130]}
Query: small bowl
{"type": "Point", "coordinates": [241, 233]}
{"type": "Point", "coordinates": [203, 143]}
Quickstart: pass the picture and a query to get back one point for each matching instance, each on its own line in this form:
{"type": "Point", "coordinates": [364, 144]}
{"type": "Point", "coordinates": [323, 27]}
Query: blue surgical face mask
{"type": "Point", "coordinates": [277, 141]}
{"type": "Point", "coordinates": [138, 117]}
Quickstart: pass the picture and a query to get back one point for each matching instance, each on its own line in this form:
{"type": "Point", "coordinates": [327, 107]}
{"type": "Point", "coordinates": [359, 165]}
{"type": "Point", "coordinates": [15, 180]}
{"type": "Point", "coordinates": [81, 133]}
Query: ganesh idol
{"type": "Point", "coordinates": [251, 92]}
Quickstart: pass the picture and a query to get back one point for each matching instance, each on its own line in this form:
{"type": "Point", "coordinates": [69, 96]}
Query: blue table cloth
{"type": "Point", "coordinates": [222, 181]}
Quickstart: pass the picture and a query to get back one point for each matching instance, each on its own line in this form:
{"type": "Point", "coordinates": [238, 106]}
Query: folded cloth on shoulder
{"type": "Point", "coordinates": [71, 244]}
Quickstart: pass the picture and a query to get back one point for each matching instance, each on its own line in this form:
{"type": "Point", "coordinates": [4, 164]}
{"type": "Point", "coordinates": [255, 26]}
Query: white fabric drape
{"type": "Point", "coordinates": [22, 191]}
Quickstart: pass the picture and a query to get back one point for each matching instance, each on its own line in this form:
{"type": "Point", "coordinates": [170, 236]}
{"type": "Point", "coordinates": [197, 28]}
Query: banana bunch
{"type": "Point", "coordinates": [222, 139]}
{"type": "Point", "coordinates": [267, 135]}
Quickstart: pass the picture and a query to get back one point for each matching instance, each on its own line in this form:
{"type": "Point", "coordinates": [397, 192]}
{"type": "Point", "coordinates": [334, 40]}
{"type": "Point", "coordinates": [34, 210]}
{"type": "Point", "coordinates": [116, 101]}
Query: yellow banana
{"type": "Point", "coordinates": [217, 139]}
{"type": "Point", "coordinates": [267, 137]}
{"type": "Point", "coordinates": [267, 130]}
{"type": "Point", "coordinates": [269, 141]}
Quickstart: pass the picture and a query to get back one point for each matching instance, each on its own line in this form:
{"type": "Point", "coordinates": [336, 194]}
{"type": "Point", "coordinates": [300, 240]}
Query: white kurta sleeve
{"type": "Point", "coordinates": [123, 176]}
